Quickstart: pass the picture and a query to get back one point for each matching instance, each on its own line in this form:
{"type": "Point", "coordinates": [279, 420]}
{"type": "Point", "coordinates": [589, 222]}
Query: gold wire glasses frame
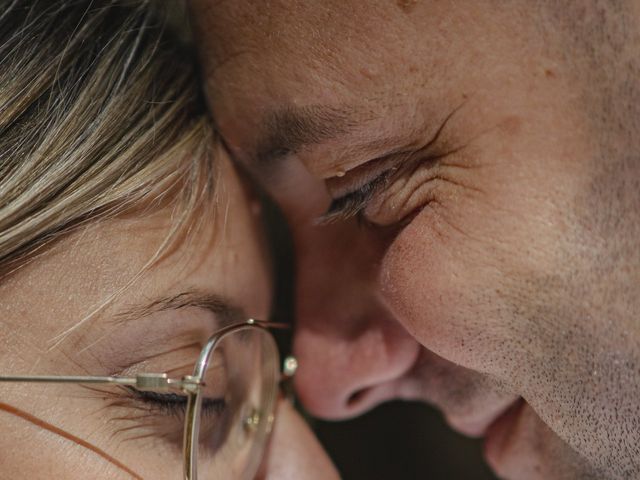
{"type": "Point", "coordinates": [190, 385]}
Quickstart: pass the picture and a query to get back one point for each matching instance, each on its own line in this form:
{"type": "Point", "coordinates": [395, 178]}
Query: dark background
{"type": "Point", "coordinates": [404, 441]}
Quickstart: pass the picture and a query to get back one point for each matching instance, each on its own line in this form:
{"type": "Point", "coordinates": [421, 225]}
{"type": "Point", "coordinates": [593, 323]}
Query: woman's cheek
{"type": "Point", "coordinates": [35, 453]}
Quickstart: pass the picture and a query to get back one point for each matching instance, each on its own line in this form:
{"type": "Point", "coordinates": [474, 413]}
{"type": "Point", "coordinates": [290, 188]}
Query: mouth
{"type": "Point", "coordinates": [481, 425]}
{"type": "Point", "coordinates": [470, 403]}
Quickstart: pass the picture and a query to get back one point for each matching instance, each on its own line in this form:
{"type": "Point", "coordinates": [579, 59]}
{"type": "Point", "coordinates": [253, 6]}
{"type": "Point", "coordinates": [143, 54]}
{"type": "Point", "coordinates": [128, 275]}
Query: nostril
{"type": "Point", "coordinates": [356, 397]}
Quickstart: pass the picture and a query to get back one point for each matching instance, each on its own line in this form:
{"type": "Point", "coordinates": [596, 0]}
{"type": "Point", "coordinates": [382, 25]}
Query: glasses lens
{"type": "Point", "coordinates": [237, 404]}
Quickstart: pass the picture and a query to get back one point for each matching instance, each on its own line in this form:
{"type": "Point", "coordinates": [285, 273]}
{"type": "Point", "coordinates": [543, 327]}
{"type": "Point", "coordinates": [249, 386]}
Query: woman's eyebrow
{"type": "Point", "coordinates": [225, 311]}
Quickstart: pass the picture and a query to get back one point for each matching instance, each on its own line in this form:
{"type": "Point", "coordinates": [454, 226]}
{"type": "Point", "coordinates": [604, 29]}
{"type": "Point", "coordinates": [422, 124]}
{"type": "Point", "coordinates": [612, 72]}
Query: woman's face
{"type": "Point", "coordinates": [153, 322]}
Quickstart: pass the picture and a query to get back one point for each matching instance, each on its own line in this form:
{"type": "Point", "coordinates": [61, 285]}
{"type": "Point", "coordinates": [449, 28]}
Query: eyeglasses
{"type": "Point", "coordinates": [229, 401]}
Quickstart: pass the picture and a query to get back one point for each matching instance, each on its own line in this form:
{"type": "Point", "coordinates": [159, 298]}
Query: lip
{"type": "Point", "coordinates": [472, 418]}
{"type": "Point", "coordinates": [500, 431]}
{"type": "Point", "coordinates": [482, 425]}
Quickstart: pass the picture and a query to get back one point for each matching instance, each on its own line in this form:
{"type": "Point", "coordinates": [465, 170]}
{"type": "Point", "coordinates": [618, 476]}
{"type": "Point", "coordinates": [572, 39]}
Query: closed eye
{"type": "Point", "coordinates": [176, 404]}
{"type": "Point", "coordinates": [353, 203]}
{"type": "Point", "coordinates": [356, 201]}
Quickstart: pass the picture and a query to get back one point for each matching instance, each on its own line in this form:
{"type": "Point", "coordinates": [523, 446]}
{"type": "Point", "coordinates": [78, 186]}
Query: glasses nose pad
{"type": "Point", "coordinates": [289, 366]}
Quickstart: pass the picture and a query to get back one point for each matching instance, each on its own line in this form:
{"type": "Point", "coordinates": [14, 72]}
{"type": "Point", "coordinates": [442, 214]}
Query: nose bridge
{"type": "Point", "coordinates": [336, 285]}
{"type": "Point", "coordinates": [349, 347]}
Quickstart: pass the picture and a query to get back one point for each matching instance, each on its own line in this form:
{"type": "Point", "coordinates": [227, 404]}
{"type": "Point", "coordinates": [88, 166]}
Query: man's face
{"type": "Point", "coordinates": [477, 248]}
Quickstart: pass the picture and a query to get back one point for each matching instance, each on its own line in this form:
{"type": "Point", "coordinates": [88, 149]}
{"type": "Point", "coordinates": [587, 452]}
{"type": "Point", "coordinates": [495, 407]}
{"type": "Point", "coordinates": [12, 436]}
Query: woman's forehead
{"type": "Point", "coordinates": [124, 261]}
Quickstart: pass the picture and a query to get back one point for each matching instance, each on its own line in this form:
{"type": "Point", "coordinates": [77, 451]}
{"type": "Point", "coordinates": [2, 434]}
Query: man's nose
{"type": "Point", "coordinates": [351, 351]}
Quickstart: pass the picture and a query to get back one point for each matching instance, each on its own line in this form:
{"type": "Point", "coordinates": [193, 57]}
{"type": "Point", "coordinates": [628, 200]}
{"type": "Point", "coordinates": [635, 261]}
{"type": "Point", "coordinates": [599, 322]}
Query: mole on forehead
{"type": "Point", "coordinates": [406, 6]}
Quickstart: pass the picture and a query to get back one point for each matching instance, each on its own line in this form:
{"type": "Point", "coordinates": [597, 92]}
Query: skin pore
{"type": "Point", "coordinates": [218, 273]}
{"type": "Point", "coordinates": [486, 151]}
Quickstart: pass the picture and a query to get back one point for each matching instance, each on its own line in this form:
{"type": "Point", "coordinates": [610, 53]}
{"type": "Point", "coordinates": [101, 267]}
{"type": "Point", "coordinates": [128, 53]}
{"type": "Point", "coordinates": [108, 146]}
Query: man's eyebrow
{"type": "Point", "coordinates": [290, 128]}
{"type": "Point", "coordinates": [225, 311]}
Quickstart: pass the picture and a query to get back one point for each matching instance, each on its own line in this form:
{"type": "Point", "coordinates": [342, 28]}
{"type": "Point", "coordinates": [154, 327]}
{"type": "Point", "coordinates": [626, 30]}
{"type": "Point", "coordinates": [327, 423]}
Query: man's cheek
{"type": "Point", "coordinates": [445, 282]}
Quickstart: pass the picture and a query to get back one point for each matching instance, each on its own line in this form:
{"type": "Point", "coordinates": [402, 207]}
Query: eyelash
{"type": "Point", "coordinates": [175, 404]}
{"type": "Point", "coordinates": [354, 203]}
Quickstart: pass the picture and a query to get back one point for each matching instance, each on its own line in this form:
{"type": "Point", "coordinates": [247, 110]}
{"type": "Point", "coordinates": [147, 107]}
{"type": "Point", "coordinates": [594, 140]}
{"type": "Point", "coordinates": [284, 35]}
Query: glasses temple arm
{"type": "Point", "coordinates": [147, 381]}
{"type": "Point", "coordinates": [269, 324]}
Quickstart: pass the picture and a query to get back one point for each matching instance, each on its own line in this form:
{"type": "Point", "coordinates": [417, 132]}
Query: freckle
{"type": "Point", "coordinates": [549, 73]}
{"type": "Point", "coordinates": [367, 72]}
{"type": "Point", "coordinates": [406, 5]}
{"type": "Point", "coordinates": [413, 69]}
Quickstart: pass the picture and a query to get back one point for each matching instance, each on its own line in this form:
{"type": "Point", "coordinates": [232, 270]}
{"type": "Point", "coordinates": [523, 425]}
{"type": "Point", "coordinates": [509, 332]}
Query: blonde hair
{"type": "Point", "coordinates": [100, 113]}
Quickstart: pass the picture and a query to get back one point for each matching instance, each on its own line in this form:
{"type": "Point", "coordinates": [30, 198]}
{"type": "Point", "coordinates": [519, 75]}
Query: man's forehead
{"type": "Point", "coordinates": [288, 52]}
{"type": "Point", "coordinates": [288, 74]}
{"type": "Point", "coordinates": [303, 31]}
{"type": "Point", "coordinates": [286, 16]}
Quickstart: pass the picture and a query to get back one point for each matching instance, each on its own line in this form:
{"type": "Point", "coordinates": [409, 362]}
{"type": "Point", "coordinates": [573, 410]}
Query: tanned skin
{"type": "Point", "coordinates": [492, 266]}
